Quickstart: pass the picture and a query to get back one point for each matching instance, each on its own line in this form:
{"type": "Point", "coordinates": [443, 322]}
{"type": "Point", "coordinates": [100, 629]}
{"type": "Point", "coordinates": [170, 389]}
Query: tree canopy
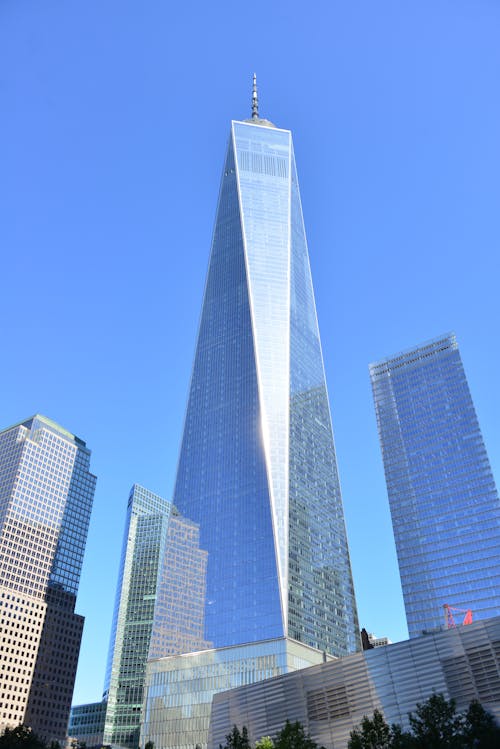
{"type": "Point", "coordinates": [237, 740]}
{"type": "Point", "coordinates": [435, 724]}
{"type": "Point", "coordinates": [21, 737]}
{"type": "Point", "coordinates": [291, 736]}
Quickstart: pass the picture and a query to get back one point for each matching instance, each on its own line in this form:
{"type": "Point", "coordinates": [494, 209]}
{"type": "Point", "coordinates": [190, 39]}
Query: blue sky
{"type": "Point", "coordinates": [115, 117]}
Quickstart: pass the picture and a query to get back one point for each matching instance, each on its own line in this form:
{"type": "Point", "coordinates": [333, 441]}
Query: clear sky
{"type": "Point", "coordinates": [113, 126]}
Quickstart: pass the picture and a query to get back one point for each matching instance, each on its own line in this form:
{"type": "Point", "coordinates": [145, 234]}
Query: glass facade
{"type": "Point", "coordinates": [444, 503]}
{"type": "Point", "coordinates": [257, 470]}
{"type": "Point", "coordinates": [46, 494]}
{"type": "Point", "coordinates": [179, 615]}
{"type": "Point", "coordinates": [180, 688]}
{"type": "Point", "coordinates": [143, 549]}
{"type": "Point", "coordinates": [86, 723]}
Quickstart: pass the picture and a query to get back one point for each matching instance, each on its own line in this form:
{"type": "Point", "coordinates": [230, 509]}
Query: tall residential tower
{"type": "Point", "coordinates": [46, 494]}
{"type": "Point", "coordinates": [444, 503]}
{"type": "Point", "coordinates": [257, 469]}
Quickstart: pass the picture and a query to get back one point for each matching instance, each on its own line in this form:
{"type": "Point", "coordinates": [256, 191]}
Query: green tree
{"type": "Point", "coordinates": [436, 725]}
{"type": "Point", "coordinates": [20, 737]}
{"type": "Point", "coordinates": [481, 730]}
{"type": "Point", "coordinates": [237, 740]}
{"type": "Point", "coordinates": [293, 736]}
{"type": "Point", "coordinates": [401, 739]}
{"type": "Point", "coordinates": [265, 742]}
{"type": "Point", "coordinates": [149, 745]}
{"type": "Point", "coordinates": [375, 733]}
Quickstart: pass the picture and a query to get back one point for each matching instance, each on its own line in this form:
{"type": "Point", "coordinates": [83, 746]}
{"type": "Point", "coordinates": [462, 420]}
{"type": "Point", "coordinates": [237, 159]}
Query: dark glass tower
{"type": "Point", "coordinates": [444, 503]}
{"type": "Point", "coordinates": [257, 469]}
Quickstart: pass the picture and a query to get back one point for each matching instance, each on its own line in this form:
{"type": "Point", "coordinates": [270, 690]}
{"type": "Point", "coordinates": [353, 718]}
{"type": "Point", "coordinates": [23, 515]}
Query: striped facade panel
{"type": "Point", "coordinates": [330, 699]}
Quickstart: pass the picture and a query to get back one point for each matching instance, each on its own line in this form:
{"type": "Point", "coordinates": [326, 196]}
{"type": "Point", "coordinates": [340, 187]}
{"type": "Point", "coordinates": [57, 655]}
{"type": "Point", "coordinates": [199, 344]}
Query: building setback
{"type": "Point", "coordinates": [444, 503]}
{"type": "Point", "coordinates": [257, 469]}
{"type": "Point", "coordinates": [46, 494]}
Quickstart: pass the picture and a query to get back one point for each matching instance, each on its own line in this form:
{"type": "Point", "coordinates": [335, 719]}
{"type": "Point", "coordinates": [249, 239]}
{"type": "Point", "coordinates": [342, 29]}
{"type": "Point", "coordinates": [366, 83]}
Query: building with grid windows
{"type": "Point", "coordinates": [46, 494]}
{"type": "Point", "coordinates": [86, 724]}
{"type": "Point", "coordinates": [257, 468]}
{"type": "Point", "coordinates": [143, 548]}
{"type": "Point", "coordinates": [444, 503]}
{"type": "Point", "coordinates": [157, 542]}
{"type": "Point", "coordinates": [116, 719]}
{"type": "Point", "coordinates": [180, 602]}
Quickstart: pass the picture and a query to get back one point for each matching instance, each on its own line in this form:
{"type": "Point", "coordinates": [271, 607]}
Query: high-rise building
{"type": "Point", "coordinates": [157, 541]}
{"type": "Point", "coordinates": [257, 469]}
{"type": "Point", "coordinates": [46, 494]}
{"type": "Point", "coordinates": [143, 548]}
{"type": "Point", "coordinates": [444, 503]}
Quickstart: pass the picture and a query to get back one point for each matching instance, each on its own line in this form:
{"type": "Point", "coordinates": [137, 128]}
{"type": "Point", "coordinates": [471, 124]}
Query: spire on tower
{"type": "Point", "coordinates": [255, 118]}
{"type": "Point", "coordinates": [255, 101]}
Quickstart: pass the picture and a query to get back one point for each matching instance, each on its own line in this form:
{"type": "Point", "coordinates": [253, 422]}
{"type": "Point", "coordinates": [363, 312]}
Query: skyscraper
{"type": "Point", "coordinates": [257, 469]}
{"type": "Point", "coordinates": [46, 494]}
{"type": "Point", "coordinates": [143, 548]}
{"type": "Point", "coordinates": [444, 503]}
{"type": "Point", "coordinates": [157, 542]}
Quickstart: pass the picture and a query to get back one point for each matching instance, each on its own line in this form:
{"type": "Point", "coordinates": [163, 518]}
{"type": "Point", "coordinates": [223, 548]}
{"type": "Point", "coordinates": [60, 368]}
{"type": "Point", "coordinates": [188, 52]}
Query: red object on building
{"type": "Point", "coordinates": [449, 620]}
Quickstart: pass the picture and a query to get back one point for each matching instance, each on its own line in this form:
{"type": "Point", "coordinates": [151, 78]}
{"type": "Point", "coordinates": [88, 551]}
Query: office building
{"type": "Point", "coordinates": [331, 699]}
{"type": "Point", "coordinates": [46, 494]}
{"type": "Point", "coordinates": [444, 504]}
{"type": "Point", "coordinates": [142, 551]}
{"type": "Point", "coordinates": [157, 542]}
{"type": "Point", "coordinates": [86, 724]}
{"type": "Point", "coordinates": [257, 469]}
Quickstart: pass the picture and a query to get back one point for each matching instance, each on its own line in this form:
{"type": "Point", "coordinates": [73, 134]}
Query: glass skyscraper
{"type": "Point", "coordinates": [444, 503]}
{"type": "Point", "coordinates": [257, 469]}
{"type": "Point", "coordinates": [157, 541]}
{"type": "Point", "coordinates": [143, 548]}
{"type": "Point", "coordinates": [46, 494]}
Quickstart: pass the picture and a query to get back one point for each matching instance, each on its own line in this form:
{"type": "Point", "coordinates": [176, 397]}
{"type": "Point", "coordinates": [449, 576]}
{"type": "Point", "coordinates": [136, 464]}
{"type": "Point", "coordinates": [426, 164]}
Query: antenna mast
{"type": "Point", "coordinates": [255, 100]}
